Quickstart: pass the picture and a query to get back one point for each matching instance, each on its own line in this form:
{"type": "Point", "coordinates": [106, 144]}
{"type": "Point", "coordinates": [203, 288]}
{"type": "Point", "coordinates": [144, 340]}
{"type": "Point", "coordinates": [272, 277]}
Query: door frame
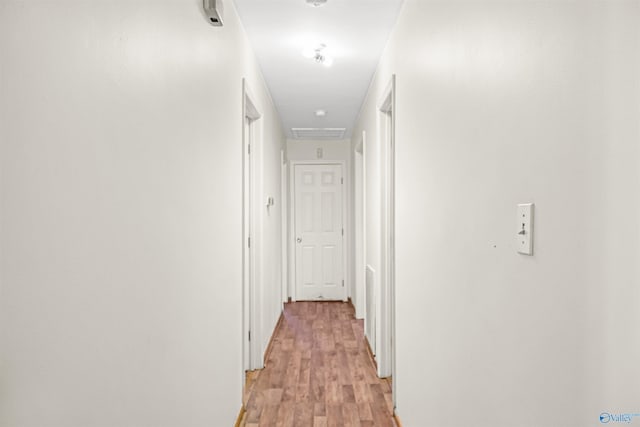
{"type": "Point", "coordinates": [292, 222]}
{"type": "Point", "coordinates": [251, 229]}
{"type": "Point", "coordinates": [284, 237]}
{"type": "Point", "coordinates": [387, 139]}
{"type": "Point", "coordinates": [359, 225]}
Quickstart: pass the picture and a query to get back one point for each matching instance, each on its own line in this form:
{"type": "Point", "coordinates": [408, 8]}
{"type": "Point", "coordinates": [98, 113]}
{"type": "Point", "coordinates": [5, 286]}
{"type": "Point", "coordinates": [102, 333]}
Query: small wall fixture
{"type": "Point", "coordinates": [524, 236]}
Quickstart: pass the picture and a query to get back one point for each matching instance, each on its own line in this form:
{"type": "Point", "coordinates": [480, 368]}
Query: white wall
{"type": "Point", "coordinates": [336, 151]}
{"type": "Point", "coordinates": [270, 183]}
{"type": "Point", "coordinates": [500, 103]}
{"type": "Point", "coordinates": [333, 150]}
{"type": "Point", "coordinates": [120, 213]}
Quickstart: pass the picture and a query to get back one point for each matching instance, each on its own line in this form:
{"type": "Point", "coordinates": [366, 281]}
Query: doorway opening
{"type": "Point", "coordinates": [251, 138]}
{"type": "Point", "coordinates": [284, 221]}
{"type": "Point", "coordinates": [386, 355]}
{"type": "Point", "coordinates": [359, 226]}
{"type": "Point", "coordinates": [318, 212]}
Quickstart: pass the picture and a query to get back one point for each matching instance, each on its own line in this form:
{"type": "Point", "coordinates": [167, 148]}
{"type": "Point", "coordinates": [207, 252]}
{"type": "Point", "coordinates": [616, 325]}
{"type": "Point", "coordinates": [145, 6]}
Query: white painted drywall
{"type": "Point", "coordinates": [120, 213]}
{"type": "Point", "coordinates": [500, 103]}
{"type": "Point", "coordinates": [270, 186]}
{"type": "Point", "coordinates": [332, 150]}
{"type": "Point", "coordinates": [306, 150]}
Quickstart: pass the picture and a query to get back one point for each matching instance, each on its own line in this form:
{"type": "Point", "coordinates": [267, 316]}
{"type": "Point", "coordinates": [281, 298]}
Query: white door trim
{"type": "Point", "coordinates": [292, 212]}
{"type": "Point", "coordinates": [387, 122]}
{"type": "Point", "coordinates": [359, 224]}
{"type": "Point", "coordinates": [285, 227]}
{"type": "Point", "coordinates": [251, 230]}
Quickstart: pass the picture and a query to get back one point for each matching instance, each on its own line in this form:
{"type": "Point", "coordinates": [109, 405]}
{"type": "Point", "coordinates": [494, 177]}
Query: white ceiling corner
{"type": "Point", "coordinates": [355, 32]}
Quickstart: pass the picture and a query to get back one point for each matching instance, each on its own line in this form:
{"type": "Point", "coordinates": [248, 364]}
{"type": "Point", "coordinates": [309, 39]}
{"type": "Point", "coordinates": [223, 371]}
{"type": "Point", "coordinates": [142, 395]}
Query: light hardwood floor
{"type": "Point", "coordinates": [318, 373]}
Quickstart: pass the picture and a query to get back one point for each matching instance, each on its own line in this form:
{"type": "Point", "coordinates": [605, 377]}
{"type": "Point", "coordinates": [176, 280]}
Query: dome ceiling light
{"type": "Point", "coordinates": [317, 54]}
{"type": "Point", "coordinates": [316, 3]}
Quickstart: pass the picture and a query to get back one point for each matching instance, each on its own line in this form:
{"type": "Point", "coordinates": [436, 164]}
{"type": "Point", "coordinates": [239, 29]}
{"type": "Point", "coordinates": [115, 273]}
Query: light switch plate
{"type": "Point", "coordinates": [524, 230]}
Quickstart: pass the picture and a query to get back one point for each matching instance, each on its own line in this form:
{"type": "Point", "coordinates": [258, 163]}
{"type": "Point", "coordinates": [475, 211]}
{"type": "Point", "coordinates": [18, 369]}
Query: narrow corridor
{"type": "Point", "coordinates": [319, 373]}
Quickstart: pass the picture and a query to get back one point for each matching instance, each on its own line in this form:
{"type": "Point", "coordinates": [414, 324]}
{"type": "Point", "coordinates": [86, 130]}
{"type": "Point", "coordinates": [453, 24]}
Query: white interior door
{"type": "Point", "coordinates": [319, 232]}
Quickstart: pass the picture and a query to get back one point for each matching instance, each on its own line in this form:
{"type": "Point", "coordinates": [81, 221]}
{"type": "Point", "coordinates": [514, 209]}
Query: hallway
{"type": "Point", "coordinates": [466, 173]}
{"type": "Point", "coordinates": [318, 373]}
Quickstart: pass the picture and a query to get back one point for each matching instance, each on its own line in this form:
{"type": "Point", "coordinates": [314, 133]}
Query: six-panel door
{"type": "Point", "coordinates": [319, 232]}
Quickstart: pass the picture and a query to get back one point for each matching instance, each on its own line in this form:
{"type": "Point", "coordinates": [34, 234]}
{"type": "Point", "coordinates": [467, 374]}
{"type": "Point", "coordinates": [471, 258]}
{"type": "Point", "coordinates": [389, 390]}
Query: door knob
{"type": "Point", "coordinates": [299, 240]}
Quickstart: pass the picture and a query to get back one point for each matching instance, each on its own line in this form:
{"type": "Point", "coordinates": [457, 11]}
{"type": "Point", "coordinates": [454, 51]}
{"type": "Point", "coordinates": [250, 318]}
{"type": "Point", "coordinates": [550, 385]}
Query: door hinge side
{"type": "Point", "coordinates": [341, 180]}
{"type": "Point", "coordinates": [343, 283]}
{"type": "Point", "coordinates": [249, 149]}
{"type": "Point", "coordinates": [343, 231]}
{"type": "Point", "coordinates": [249, 335]}
{"type": "Point", "coordinates": [249, 241]}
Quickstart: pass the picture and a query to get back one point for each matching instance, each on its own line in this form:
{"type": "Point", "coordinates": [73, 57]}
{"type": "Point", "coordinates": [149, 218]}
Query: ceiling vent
{"type": "Point", "coordinates": [318, 133]}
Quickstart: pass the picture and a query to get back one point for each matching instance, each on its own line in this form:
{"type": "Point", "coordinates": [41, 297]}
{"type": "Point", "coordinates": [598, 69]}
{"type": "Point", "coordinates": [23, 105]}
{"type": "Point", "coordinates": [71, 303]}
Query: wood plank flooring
{"type": "Point", "coordinates": [319, 373]}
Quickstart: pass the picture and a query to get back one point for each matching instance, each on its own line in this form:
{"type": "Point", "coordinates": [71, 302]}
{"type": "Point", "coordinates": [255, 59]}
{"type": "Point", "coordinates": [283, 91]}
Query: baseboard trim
{"type": "Point", "coordinates": [373, 357]}
{"type": "Point", "coordinates": [350, 302]}
{"type": "Point", "coordinates": [269, 349]}
{"type": "Point", "coordinates": [396, 418]}
{"type": "Point", "coordinates": [240, 416]}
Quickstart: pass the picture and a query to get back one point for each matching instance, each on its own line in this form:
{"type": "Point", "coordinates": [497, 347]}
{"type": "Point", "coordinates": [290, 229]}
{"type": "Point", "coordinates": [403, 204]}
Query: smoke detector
{"type": "Point", "coordinates": [316, 3]}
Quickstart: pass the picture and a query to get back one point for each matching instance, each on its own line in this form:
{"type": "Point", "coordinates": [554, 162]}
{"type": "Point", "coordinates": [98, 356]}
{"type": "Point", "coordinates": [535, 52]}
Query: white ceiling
{"type": "Point", "coordinates": [355, 32]}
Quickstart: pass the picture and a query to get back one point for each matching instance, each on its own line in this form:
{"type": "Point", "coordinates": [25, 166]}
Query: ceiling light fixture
{"type": "Point", "coordinates": [321, 113]}
{"type": "Point", "coordinates": [318, 55]}
{"type": "Point", "coordinates": [316, 3]}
